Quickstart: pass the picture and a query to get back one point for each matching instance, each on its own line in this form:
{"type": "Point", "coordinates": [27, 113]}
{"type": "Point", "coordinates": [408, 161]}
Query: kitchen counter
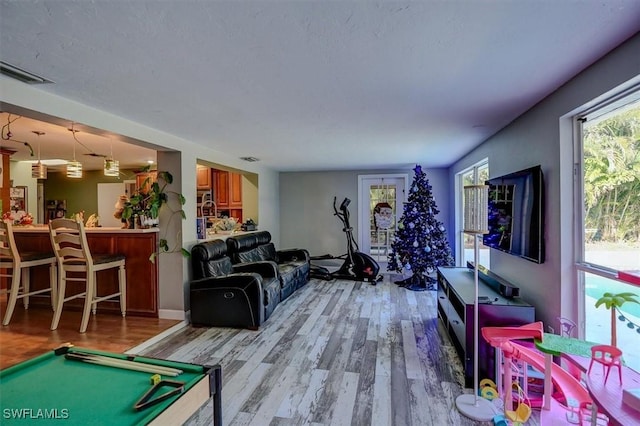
{"type": "Point", "coordinates": [98, 230]}
{"type": "Point", "coordinates": [223, 236]}
{"type": "Point", "coordinates": [135, 244]}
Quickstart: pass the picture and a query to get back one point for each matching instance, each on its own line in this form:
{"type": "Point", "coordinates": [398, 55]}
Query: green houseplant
{"type": "Point", "coordinates": [148, 203]}
{"type": "Point", "coordinates": [614, 301]}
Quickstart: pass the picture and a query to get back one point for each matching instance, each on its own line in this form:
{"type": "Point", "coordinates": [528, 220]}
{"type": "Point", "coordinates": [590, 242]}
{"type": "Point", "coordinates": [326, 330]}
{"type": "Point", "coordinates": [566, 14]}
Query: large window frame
{"type": "Point", "coordinates": [593, 271]}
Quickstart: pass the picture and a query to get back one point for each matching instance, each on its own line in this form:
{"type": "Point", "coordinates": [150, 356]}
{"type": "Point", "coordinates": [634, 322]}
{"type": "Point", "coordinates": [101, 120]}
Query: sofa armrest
{"type": "Point", "coordinates": [265, 268]}
{"type": "Point", "coordinates": [235, 300]}
{"type": "Point", "coordinates": [293, 255]}
{"type": "Point", "coordinates": [231, 280]}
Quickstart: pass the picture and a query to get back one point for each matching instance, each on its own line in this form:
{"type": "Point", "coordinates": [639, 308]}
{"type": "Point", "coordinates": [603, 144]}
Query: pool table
{"type": "Point", "coordinates": [53, 389]}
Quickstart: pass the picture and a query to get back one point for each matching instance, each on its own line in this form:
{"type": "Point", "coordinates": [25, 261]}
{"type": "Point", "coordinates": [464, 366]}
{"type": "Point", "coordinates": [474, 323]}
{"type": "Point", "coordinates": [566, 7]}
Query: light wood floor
{"type": "Point", "coordinates": [28, 334]}
{"type": "Point", "coordinates": [334, 353]}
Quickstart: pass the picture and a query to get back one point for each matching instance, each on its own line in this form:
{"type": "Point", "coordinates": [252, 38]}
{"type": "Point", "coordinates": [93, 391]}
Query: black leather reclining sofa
{"type": "Point", "coordinates": [293, 265]}
{"type": "Point", "coordinates": [241, 287]}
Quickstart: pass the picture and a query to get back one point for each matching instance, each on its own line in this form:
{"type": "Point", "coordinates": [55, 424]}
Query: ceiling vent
{"type": "Point", "coordinates": [250, 159]}
{"type": "Point", "coordinates": [21, 75]}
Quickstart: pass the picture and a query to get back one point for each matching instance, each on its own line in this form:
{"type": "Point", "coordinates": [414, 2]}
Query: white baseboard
{"type": "Point", "coordinates": [171, 314]}
{"type": "Point", "coordinates": [155, 339]}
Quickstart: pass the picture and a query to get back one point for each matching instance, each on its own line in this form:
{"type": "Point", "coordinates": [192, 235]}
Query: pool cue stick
{"type": "Point", "coordinates": [123, 364]}
{"type": "Point", "coordinates": [167, 371]}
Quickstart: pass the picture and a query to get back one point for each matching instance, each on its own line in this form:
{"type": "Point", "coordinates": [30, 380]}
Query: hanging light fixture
{"type": "Point", "coordinates": [111, 166]}
{"type": "Point", "coordinates": [38, 170]}
{"type": "Point", "coordinates": [74, 168]}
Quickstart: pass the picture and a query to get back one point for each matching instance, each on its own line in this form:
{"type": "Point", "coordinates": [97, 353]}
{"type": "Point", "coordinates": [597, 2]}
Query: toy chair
{"type": "Point", "coordinates": [609, 356]}
{"type": "Point", "coordinates": [523, 411]}
{"type": "Point", "coordinates": [566, 327]}
{"type": "Point", "coordinates": [588, 412]}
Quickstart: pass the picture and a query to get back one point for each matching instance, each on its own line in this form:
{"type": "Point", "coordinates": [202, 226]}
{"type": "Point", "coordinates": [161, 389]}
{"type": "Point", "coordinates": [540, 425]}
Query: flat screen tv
{"type": "Point", "coordinates": [516, 214]}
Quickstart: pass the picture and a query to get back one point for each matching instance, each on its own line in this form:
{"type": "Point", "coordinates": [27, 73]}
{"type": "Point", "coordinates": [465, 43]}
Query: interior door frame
{"type": "Point", "coordinates": [362, 196]}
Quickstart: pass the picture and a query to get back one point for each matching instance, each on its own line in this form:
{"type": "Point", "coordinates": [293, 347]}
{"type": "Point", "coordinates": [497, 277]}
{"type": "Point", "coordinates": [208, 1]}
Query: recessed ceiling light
{"type": "Point", "coordinates": [250, 159]}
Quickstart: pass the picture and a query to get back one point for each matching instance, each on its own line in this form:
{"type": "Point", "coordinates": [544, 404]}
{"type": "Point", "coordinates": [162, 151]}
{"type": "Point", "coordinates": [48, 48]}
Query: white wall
{"type": "Point", "coordinates": [306, 205]}
{"type": "Point", "coordinates": [543, 136]}
{"type": "Point", "coordinates": [173, 285]}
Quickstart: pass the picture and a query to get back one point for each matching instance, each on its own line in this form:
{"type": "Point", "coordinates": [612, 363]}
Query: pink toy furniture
{"type": "Point", "coordinates": [609, 356]}
{"type": "Point", "coordinates": [566, 327]}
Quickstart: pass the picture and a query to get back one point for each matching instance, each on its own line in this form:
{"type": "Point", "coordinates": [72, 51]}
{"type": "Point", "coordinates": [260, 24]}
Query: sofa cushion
{"type": "Point", "coordinates": [209, 259]}
{"type": "Point", "coordinates": [268, 252]}
{"type": "Point", "coordinates": [253, 255]}
{"type": "Point", "coordinates": [218, 268]}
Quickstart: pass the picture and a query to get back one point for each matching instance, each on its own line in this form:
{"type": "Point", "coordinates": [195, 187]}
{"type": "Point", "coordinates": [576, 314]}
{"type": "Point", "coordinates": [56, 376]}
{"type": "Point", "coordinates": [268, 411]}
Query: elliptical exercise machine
{"type": "Point", "coordinates": [357, 266]}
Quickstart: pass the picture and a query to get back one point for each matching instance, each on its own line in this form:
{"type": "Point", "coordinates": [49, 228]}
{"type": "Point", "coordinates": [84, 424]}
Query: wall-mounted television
{"type": "Point", "coordinates": [516, 214]}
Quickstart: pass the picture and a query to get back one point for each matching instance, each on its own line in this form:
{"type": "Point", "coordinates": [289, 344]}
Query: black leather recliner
{"type": "Point", "coordinates": [293, 265]}
{"type": "Point", "coordinates": [227, 295]}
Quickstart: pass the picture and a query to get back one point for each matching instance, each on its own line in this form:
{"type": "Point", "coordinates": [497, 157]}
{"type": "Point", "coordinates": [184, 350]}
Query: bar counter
{"type": "Point", "coordinates": [142, 274]}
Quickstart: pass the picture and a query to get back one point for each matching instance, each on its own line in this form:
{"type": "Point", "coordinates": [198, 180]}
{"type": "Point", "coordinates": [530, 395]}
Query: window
{"type": "Point", "coordinates": [608, 224]}
{"type": "Point", "coordinates": [474, 175]}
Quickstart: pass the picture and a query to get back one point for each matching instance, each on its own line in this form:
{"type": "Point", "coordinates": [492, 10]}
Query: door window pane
{"type": "Point", "coordinates": [382, 223]}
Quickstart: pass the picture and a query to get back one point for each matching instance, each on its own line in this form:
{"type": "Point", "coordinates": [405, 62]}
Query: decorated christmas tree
{"type": "Point", "coordinates": [420, 243]}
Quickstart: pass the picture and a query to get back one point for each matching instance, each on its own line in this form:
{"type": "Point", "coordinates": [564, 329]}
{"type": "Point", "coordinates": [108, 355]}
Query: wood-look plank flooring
{"type": "Point", "coordinates": [28, 334]}
{"type": "Point", "coordinates": [334, 353]}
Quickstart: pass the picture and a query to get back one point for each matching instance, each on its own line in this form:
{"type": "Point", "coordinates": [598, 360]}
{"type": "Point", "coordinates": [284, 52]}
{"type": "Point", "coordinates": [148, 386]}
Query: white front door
{"type": "Point", "coordinates": [380, 206]}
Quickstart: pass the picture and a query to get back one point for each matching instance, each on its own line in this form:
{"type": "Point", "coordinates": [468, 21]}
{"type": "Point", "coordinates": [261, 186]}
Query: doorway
{"type": "Point", "coordinates": [380, 206]}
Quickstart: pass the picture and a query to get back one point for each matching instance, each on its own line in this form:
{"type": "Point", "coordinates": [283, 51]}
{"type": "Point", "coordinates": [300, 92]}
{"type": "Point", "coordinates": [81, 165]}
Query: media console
{"type": "Point", "coordinates": [456, 294]}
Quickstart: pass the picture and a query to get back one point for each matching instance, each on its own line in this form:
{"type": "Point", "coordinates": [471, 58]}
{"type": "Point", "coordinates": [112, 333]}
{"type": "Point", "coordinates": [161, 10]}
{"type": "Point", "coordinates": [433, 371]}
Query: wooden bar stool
{"type": "Point", "coordinates": [70, 246]}
{"type": "Point", "coordinates": [20, 264]}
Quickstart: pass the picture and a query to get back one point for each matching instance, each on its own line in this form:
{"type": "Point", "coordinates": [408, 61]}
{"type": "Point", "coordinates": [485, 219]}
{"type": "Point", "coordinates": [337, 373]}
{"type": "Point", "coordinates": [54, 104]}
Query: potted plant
{"type": "Point", "coordinates": [613, 302]}
{"type": "Point", "coordinates": [148, 203]}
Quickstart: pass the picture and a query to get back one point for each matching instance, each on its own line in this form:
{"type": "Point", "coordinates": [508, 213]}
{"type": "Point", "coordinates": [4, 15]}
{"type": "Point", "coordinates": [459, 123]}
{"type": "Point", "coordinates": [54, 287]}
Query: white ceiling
{"type": "Point", "coordinates": [314, 85]}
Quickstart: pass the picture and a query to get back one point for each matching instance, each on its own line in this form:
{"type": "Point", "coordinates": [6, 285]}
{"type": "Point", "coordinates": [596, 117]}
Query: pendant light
{"type": "Point", "coordinates": [111, 166]}
{"type": "Point", "coordinates": [74, 168]}
{"type": "Point", "coordinates": [38, 170]}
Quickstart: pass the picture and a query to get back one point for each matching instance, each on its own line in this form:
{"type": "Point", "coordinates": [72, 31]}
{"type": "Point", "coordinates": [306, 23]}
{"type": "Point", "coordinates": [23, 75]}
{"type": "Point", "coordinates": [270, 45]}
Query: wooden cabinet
{"type": "Point", "coordinates": [145, 180]}
{"type": "Point", "coordinates": [221, 193]}
{"type": "Point", "coordinates": [235, 190]}
{"type": "Point", "coordinates": [456, 294]}
{"type": "Point", "coordinates": [142, 274]}
{"type": "Point", "coordinates": [203, 177]}
{"type": "Point", "coordinates": [228, 193]}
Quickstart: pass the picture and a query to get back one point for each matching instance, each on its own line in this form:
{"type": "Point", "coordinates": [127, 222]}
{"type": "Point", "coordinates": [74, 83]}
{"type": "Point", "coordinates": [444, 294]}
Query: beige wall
{"type": "Point", "coordinates": [306, 205]}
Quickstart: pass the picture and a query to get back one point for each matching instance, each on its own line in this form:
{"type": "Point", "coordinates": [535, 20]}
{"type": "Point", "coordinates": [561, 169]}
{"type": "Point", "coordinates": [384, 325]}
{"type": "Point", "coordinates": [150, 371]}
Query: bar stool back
{"type": "Point", "coordinates": [20, 264]}
{"type": "Point", "coordinates": [70, 246]}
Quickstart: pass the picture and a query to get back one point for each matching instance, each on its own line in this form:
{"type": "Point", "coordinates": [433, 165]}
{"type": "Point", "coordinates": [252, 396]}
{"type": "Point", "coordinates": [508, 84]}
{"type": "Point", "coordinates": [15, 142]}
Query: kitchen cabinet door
{"type": "Point", "coordinates": [235, 190]}
{"type": "Point", "coordinates": [203, 176]}
{"type": "Point", "coordinates": [221, 194]}
{"type": "Point", "coordinates": [145, 180]}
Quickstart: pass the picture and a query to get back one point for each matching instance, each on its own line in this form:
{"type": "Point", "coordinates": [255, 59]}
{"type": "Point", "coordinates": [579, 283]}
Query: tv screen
{"type": "Point", "coordinates": [516, 214]}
